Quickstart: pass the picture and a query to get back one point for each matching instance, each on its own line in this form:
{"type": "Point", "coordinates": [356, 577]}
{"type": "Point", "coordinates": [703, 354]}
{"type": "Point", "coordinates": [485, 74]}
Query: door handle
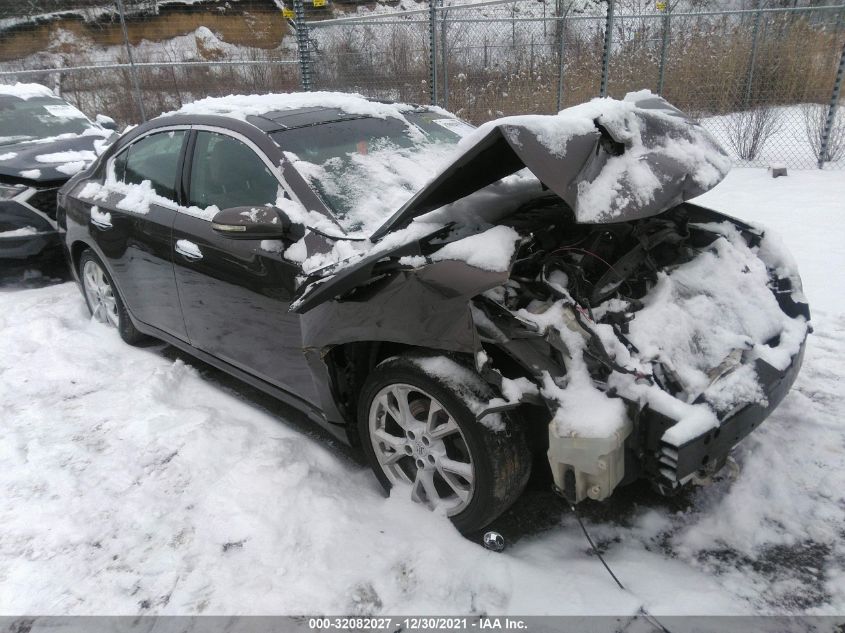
{"type": "Point", "coordinates": [188, 250]}
{"type": "Point", "coordinates": [101, 220]}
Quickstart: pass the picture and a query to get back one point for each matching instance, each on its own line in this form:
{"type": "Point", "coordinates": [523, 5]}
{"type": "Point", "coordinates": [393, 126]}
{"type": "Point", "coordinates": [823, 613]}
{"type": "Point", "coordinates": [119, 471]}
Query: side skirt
{"type": "Point", "coordinates": [338, 431]}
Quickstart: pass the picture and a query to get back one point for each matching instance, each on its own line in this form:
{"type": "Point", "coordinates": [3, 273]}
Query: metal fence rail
{"type": "Point", "coordinates": [766, 81]}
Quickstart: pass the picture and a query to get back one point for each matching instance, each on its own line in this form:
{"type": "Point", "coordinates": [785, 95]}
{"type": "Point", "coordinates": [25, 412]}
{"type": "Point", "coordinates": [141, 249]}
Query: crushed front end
{"type": "Point", "coordinates": [655, 345]}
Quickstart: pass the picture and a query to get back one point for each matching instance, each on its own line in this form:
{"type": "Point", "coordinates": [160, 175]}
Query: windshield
{"type": "Point", "coordinates": [38, 117]}
{"type": "Point", "coordinates": [365, 168]}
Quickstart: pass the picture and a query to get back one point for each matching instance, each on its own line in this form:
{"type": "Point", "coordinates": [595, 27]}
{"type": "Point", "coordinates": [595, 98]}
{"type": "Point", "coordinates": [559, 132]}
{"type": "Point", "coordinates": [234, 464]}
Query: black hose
{"type": "Point", "coordinates": [648, 617]}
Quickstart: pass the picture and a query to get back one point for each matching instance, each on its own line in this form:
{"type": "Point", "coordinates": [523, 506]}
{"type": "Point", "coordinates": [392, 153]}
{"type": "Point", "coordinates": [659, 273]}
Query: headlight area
{"type": "Point", "coordinates": [27, 231]}
{"type": "Point", "coordinates": [656, 346]}
{"type": "Point", "coordinates": [8, 192]}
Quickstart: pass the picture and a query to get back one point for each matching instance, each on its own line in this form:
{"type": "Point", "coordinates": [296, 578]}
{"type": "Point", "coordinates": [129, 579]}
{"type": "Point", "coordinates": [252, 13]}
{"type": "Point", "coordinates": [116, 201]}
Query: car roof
{"type": "Point", "coordinates": [278, 120]}
{"type": "Point", "coordinates": [280, 111]}
{"type": "Point", "coordinates": [24, 91]}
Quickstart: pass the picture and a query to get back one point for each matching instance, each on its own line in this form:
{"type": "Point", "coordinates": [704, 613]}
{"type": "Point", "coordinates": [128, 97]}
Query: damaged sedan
{"type": "Point", "coordinates": [467, 305]}
{"type": "Point", "coordinates": [43, 142]}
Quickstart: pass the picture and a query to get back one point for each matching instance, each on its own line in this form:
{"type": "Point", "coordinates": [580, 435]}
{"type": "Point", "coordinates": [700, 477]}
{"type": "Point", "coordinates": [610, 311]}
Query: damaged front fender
{"type": "Point", "coordinates": [426, 307]}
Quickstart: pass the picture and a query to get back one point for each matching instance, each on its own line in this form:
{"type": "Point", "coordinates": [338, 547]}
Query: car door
{"type": "Point", "coordinates": [235, 294]}
{"type": "Point", "coordinates": [133, 227]}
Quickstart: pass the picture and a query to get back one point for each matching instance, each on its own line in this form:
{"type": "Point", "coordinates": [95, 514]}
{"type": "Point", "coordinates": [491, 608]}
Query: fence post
{"type": "Point", "coordinates": [132, 69]}
{"type": "Point", "coordinates": [608, 39]}
{"type": "Point", "coordinates": [751, 63]}
{"type": "Point", "coordinates": [302, 45]}
{"type": "Point", "coordinates": [562, 38]}
{"type": "Point", "coordinates": [831, 111]}
{"type": "Point", "coordinates": [664, 49]}
{"type": "Point", "coordinates": [444, 54]}
{"type": "Point", "coordinates": [432, 50]}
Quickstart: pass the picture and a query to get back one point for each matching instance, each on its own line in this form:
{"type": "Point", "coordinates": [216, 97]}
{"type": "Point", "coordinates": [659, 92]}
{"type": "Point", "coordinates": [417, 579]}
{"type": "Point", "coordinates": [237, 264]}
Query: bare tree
{"type": "Point", "coordinates": [749, 130]}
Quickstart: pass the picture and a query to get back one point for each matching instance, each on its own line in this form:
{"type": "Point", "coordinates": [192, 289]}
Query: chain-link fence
{"type": "Point", "coordinates": [765, 81]}
{"type": "Point", "coordinates": [762, 80]}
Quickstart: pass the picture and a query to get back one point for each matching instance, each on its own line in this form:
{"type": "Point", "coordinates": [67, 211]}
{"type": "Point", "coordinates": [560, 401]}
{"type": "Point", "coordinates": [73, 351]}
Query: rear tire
{"type": "Point", "coordinates": [103, 299]}
{"type": "Point", "coordinates": [418, 431]}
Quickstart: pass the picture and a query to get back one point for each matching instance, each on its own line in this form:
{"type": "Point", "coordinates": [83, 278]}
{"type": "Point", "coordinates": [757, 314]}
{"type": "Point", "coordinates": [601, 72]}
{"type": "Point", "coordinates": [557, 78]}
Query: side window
{"type": "Point", "coordinates": [227, 173]}
{"type": "Point", "coordinates": [154, 158]}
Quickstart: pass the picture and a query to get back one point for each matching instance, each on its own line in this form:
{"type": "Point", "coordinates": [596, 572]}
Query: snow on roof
{"type": "Point", "coordinates": [242, 106]}
{"type": "Point", "coordinates": [25, 91]}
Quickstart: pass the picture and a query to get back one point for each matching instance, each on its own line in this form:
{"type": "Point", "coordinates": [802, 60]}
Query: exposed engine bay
{"type": "Point", "coordinates": [628, 394]}
{"type": "Point", "coordinates": [644, 335]}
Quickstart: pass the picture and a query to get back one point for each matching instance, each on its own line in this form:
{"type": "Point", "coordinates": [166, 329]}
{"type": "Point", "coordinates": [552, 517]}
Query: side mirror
{"type": "Point", "coordinates": [106, 122]}
{"type": "Point", "coordinates": [253, 223]}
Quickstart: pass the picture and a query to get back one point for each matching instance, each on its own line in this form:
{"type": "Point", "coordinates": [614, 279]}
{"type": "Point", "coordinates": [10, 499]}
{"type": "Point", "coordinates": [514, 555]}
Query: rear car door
{"type": "Point", "coordinates": [235, 294]}
{"type": "Point", "coordinates": [133, 226]}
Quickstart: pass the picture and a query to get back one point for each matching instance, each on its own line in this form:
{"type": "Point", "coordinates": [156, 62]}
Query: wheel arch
{"type": "Point", "coordinates": [348, 365]}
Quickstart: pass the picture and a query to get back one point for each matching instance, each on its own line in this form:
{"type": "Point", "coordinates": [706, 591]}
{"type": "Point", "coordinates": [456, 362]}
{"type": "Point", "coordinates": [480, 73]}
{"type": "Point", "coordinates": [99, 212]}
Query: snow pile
{"type": "Point", "coordinates": [100, 217]}
{"type": "Point", "coordinates": [25, 91]}
{"type": "Point", "coordinates": [21, 232]}
{"type": "Point", "coordinates": [135, 198]}
{"type": "Point", "coordinates": [31, 173]}
{"type": "Point", "coordinates": [70, 156]}
{"type": "Point", "coordinates": [73, 161]}
{"type": "Point", "coordinates": [8, 155]}
{"type": "Point", "coordinates": [467, 384]}
{"type": "Point", "coordinates": [188, 248]}
{"type": "Point", "coordinates": [491, 250]}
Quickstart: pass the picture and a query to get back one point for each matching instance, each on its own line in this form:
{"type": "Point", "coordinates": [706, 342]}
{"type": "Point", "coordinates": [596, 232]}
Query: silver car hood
{"type": "Point", "coordinates": [609, 160]}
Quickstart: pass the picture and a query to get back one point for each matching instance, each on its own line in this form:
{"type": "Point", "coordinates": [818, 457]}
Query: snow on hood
{"type": "Point", "coordinates": [53, 159]}
{"type": "Point", "coordinates": [609, 160]}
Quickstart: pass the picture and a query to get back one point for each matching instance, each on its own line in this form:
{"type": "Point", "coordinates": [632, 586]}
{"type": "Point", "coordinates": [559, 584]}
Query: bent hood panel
{"type": "Point", "coordinates": [59, 159]}
{"type": "Point", "coordinates": [609, 160]}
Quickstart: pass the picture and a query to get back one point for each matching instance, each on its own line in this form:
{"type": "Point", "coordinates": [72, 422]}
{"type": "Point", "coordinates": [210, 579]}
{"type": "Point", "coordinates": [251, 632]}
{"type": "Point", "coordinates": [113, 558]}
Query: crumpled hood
{"type": "Point", "coordinates": [609, 160]}
{"type": "Point", "coordinates": [61, 158]}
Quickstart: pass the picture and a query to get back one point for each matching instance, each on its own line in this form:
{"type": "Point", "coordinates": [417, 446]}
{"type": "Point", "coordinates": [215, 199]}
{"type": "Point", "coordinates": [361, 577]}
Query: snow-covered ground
{"type": "Point", "coordinates": [136, 480]}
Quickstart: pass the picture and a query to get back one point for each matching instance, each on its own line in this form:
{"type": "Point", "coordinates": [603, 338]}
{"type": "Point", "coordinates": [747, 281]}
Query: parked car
{"type": "Point", "coordinates": [466, 304]}
{"type": "Point", "coordinates": [43, 142]}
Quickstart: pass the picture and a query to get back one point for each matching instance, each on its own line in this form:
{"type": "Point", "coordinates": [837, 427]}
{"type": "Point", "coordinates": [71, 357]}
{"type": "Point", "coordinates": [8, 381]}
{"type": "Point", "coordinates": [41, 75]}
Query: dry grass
{"type": "Point", "coordinates": [706, 72]}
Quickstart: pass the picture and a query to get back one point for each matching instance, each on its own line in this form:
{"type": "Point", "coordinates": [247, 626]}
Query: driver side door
{"type": "Point", "coordinates": [235, 294]}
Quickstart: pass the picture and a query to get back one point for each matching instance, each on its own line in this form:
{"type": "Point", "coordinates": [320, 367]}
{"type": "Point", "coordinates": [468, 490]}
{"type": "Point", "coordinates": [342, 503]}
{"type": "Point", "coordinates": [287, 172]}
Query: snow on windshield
{"type": "Point", "coordinates": [38, 117]}
{"type": "Point", "coordinates": [365, 169]}
{"type": "Point", "coordinates": [364, 189]}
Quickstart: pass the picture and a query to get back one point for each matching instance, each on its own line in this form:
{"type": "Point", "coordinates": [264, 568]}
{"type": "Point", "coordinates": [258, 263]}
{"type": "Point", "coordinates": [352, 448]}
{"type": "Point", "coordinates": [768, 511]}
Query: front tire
{"type": "Point", "coordinates": [418, 432]}
{"type": "Point", "coordinates": [103, 298]}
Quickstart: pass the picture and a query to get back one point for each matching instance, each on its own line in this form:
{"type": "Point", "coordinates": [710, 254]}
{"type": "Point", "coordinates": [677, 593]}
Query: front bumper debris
{"type": "Point", "coordinates": [670, 467]}
{"type": "Point", "coordinates": [26, 233]}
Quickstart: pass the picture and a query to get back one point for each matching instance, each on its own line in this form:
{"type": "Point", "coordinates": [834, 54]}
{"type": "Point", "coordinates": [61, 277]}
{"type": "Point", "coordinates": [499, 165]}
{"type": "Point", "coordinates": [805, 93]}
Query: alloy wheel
{"type": "Point", "coordinates": [99, 293]}
{"type": "Point", "coordinates": [419, 444]}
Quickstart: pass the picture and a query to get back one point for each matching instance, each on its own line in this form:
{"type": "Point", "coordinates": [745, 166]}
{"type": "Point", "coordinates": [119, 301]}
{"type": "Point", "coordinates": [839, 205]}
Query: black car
{"type": "Point", "coordinates": [43, 142]}
{"type": "Point", "coordinates": [467, 305]}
